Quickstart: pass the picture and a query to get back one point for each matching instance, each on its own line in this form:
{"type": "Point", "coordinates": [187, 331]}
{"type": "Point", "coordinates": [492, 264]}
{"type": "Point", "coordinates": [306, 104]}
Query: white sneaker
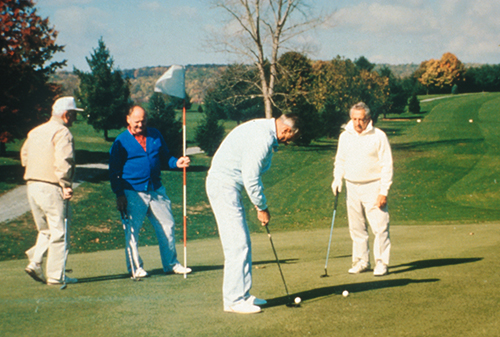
{"type": "Point", "coordinates": [180, 269]}
{"type": "Point", "coordinates": [380, 269]}
{"type": "Point", "coordinates": [256, 301]}
{"type": "Point", "coordinates": [55, 282]}
{"type": "Point", "coordinates": [243, 307]}
{"type": "Point", "coordinates": [140, 273]}
{"type": "Point", "coordinates": [359, 267]}
{"type": "Point", "coordinates": [35, 271]}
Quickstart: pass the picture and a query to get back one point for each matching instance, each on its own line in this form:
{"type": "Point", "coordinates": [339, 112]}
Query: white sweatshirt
{"type": "Point", "coordinates": [244, 155]}
{"type": "Point", "coordinates": [364, 157]}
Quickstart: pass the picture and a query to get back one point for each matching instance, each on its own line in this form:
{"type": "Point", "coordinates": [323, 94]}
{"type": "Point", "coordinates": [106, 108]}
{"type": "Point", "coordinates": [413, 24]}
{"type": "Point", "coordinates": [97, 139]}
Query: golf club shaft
{"type": "Point", "coordinates": [331, 229]}
{"type": "Point", "coordinates": [128, 238]}
{"type": "Point", "coordinates": [277, 260]}
{"type": "Point", "coordinates": [66, 249]}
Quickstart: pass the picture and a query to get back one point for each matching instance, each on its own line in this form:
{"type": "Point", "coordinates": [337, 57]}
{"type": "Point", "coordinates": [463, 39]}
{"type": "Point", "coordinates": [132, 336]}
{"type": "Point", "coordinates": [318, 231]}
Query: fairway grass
{"type": "Point", "coordinates": [443, 281]}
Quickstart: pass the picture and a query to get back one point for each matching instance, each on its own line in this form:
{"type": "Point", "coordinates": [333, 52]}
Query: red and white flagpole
{"type": "Point", "coordinates": [172, 83]}
{"type": "Point", "coordinates": [184, 197]}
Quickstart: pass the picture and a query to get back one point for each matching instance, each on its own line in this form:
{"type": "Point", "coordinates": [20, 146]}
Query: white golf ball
{"type": "Point", "coordinates": [297, 300]}
{"type": "Point", "coordinates": [345, 293]}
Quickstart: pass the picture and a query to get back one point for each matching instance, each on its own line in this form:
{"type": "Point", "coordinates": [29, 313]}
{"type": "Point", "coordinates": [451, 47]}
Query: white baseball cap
{"type": "Point", "coordinates": [64, 104]}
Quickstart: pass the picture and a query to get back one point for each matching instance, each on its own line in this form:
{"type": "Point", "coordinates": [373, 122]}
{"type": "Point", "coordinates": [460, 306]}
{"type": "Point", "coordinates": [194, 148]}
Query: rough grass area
{"type": "Point", "coordinates": [446, 172]}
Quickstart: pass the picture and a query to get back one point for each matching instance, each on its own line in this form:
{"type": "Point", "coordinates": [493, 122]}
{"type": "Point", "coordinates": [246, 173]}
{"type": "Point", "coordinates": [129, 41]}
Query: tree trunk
{"type": "Point", "coordinates": [106, 138]}
{"type": "Point", "coordinates": [3, 149]}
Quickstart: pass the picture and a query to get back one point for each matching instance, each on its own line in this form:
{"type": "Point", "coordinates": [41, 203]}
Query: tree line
{"type": "Point", "coordinates": [321, 92]}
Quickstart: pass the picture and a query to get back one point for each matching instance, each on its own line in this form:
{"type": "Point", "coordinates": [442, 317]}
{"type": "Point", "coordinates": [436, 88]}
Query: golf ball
{"type": "Point", "coordinates": [297, 300]}
{"type": "Point", "coordinates": [345, 293]}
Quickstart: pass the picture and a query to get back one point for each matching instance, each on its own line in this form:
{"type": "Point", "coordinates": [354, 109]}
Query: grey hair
{"type": "Point", "coordinates": [291, 120]}
{"type": "Point", "coordinates": [361, 106]}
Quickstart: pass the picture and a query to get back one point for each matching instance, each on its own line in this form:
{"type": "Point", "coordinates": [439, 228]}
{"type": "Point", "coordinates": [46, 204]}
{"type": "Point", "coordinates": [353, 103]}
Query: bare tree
{"type": "Point", "coordinates": [257, 29]}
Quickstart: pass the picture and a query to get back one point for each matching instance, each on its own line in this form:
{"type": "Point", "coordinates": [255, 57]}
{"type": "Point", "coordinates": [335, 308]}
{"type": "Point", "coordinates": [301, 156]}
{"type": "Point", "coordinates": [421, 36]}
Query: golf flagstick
{"type": "Point", "coordinates": [184, 190]}
{"type": "Point", "coordinates": [172, 83]}
{"type": "Point", "coordinates": [331, 231]}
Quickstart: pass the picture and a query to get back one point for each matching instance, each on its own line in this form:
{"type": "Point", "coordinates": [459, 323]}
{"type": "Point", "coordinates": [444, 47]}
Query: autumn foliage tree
{"type": "Point", "coordinates": [27, 44]}
{"type": "Point", "coordinates": [441, 75]}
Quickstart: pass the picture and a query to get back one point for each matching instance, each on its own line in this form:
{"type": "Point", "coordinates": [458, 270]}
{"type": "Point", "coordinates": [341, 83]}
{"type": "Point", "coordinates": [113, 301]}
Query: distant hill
{"type": "Point", "coordinates": [198, 78]}
{"type": "Point", "coordinates": [142, 80]}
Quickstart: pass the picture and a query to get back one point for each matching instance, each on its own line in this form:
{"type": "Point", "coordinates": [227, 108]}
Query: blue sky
{"type": "Point", "coordinates": [143, 33]}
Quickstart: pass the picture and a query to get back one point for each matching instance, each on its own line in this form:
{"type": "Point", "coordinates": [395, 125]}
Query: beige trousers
{"type": "Point", "coordinates": [361, 206]}
{"type": "Point", "coordinates": [48, 209]}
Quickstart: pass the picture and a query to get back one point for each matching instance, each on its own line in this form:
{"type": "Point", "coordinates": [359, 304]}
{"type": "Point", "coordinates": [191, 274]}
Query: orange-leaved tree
{"type": "Point", "coordinates": [441, 74]}
{"type": "Point", "coordinates": [27, 43]}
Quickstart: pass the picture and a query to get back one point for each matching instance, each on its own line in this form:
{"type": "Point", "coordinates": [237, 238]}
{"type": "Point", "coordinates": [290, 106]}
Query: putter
{"type": "Point", "coordinates": [66, 205]}
{"type": "Point", "coordinates": [331, 231]}
{"type": "Point", "coordinates": [129, 251]}
{"type": "Point", "coordinates": [290, 303]}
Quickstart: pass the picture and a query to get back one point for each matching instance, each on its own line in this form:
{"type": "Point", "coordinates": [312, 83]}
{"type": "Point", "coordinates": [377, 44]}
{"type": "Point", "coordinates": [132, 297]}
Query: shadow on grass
{"type": "Point", "coordinates": [337, 290]}
{"type": "Point", "coordinates": [160, 272]}
{"type": "Point", "coordinates": [103, 278]}
{"type": "Point", "coordinates": [90, 157]}
{"type": "Point", "coordinates": [199, 269]}
{"type": "Point", "coordinates": [424, 264]}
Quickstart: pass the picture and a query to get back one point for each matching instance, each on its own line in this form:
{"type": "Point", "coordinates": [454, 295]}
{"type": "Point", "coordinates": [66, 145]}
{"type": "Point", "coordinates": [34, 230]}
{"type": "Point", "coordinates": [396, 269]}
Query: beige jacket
{"type": "Point", "coordinates": [48, 154]}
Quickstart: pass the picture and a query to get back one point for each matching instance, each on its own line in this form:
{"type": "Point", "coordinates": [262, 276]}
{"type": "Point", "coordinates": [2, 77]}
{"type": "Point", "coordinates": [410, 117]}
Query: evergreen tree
{"type": "Point", "coordinates": [414, 104]}
{"type": "Point", "coordinates": [209, 133]}
{"type": "Point", "coordinates": [162, 117]}
{"type": "Point", "coordinates": [103, 92]}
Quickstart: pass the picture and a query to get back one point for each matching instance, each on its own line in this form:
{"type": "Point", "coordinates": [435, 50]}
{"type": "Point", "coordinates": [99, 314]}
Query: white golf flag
{"type": "Point", "coordinates": [172, 82]}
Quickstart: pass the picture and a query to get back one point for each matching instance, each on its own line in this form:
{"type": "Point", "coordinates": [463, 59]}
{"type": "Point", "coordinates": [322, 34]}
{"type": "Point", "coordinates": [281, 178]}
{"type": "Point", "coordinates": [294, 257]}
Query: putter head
{"type": "Point", "coordinates": [63, 286]}
{"type": "Point", "coordinates": [326, 274]}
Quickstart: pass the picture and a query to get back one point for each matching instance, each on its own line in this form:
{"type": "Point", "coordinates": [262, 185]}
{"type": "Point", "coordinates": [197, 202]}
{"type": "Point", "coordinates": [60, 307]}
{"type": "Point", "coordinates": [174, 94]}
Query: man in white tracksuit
{"type": "Point", "coordinates": [364, 160]}
{"type": "Point", "coordinates": [244, 155]}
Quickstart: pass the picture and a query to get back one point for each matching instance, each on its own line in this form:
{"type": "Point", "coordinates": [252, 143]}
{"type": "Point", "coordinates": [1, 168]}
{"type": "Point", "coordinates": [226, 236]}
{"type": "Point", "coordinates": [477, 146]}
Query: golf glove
{"type": "Point", "coordinates": [337, 186]}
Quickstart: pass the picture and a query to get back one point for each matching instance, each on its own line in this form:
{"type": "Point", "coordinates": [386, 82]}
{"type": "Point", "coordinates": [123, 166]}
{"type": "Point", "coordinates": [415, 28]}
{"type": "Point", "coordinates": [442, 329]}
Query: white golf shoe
{"type": "Point", "coordinates": [35, 271]}
{"type": "Point", "coordinates": [140, 273]}
{"type": "Point", "coordinates": [359, 267]}
{"type": "Point", "coordinates": [380, 269]}
{"type": "Point", "coordinates": [180, 269]}
{"type": "Point", "coordinates": [243, 307]}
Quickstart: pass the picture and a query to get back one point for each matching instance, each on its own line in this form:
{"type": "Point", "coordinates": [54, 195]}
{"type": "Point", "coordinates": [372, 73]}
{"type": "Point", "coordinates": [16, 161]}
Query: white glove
{"type": "Point", "coordinates": [337, 186]}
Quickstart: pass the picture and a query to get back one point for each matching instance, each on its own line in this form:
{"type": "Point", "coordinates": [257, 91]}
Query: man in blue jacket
{"type": "Point", "coordinates": [136, 158]}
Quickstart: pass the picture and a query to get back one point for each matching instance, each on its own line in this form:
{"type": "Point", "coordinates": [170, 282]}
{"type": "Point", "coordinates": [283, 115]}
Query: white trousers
{"type": "Point", "coordinates": [361, 206]}
{"type": "Point", "coordinates": [48, 209]}
{"type": "Point", "coordinates": [157, 207]}
{"type": "Point", "coordinates": [226, 203]}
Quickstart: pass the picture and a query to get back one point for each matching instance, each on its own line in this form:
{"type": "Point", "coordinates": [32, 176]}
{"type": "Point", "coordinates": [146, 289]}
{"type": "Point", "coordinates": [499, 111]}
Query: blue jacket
{"type": "Point", "coordinates": [132, 168]}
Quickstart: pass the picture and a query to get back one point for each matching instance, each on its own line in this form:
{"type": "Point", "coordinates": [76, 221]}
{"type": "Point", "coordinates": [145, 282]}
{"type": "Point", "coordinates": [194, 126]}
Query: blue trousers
{"type": "Point", "coordinates": [157, 207]}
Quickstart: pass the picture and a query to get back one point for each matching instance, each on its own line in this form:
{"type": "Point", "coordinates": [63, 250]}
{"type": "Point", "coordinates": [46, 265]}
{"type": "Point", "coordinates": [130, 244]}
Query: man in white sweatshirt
{"type": "Point", "coordinates": [364, 160]}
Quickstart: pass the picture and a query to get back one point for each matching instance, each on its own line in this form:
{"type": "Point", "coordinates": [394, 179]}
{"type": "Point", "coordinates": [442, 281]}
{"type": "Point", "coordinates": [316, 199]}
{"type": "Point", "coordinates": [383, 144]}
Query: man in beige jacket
{"type": "Point", "coordinates": [48, 156]}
